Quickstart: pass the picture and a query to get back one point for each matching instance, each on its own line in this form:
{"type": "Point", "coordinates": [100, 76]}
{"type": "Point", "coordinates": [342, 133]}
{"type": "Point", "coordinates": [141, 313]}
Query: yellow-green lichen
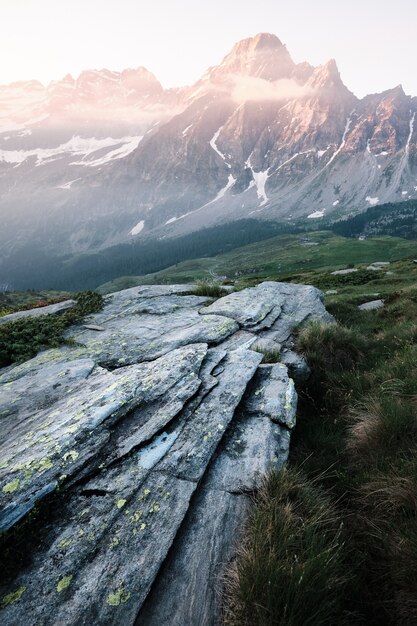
{"type": "Point", "coordinates": [64, 543]}
{"type": "Point", "coordinates": [120, 503]}
{"type": "Point", "coordinates": [118, 597]}
{"type": "Point", "coordinates": [13, 597]}
{"type": "Point", "coordinates": [71, 429]}
{"type": "Point", "coordinates": [135, 517]}
{"type": "Point", "coordinates": [12, 486]}
{"type": "Point", "coordinates": [63, 583]}
{"type": "Point", "coordinates": [71, 455]}
{"type": "Point", "coordinates": [145, 494]}
{"type": "Point", "coordinates": [43, 464]}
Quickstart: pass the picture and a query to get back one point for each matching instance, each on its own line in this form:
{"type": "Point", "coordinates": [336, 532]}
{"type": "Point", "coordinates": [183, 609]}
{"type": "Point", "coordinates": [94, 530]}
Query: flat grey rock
{"type": "Point", "coordinates": [142, 440]}
{"type": "Point", "coordinates": [371, 306]}
{"type": "Point", "coordinates": [50, 309]}
{"type": "Point", "coordinates": [187, 595]}
{"type": "Point", "coordinates": [343, 272]}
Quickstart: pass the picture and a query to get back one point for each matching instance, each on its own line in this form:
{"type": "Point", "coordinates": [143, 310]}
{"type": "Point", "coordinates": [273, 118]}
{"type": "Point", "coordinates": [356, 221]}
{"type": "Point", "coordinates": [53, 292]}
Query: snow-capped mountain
{"type": "Point", "coordinates": [111, 156]}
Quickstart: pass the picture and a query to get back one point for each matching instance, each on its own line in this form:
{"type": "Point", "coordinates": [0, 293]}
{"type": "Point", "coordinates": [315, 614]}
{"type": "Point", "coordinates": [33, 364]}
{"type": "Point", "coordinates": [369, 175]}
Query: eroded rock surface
{"type": "Point", "coordinates": [127, 458]}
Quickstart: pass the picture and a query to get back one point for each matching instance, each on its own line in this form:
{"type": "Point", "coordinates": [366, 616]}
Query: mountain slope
{"type": "Point", "coordinates": [111, 156]}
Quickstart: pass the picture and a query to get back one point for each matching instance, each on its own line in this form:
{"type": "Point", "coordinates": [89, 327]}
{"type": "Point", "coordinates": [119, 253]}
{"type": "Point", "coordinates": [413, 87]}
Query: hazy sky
{"type": "Point", "coordinates": [373, 41]}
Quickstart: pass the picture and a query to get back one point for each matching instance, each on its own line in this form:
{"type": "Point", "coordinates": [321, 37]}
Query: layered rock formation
{"type": "Point", "coordinates": [128, 457]}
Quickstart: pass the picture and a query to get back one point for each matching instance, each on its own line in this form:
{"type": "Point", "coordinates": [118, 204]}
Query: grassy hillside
{"type": "Point", "coordinates": [333, 538]}
{"type": "Point", "coordinates": [278, 257]}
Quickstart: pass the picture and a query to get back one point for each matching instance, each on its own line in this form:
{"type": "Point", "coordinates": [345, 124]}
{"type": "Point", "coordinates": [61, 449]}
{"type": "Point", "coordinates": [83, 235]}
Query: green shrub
{"type": "Point", "coordinates": [23, 339]}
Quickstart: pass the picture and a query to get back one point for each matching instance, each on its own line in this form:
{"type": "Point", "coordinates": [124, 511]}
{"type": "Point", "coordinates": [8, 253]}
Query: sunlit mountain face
{"type": "Point", "coordinates": [109, 157]}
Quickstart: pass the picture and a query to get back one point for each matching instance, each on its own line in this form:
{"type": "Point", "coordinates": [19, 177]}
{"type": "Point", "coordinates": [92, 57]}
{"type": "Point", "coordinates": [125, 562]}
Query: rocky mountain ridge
{"type": "Point", "coordinates": [118, 157]}
{"type": "Point", "coordinates": [139, 444]}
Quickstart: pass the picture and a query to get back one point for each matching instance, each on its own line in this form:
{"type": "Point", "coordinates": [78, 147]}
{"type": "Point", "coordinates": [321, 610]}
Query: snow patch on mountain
{"type": "Point", "coordinates": [138, 228]}
{"type": "Point", "coordinates": [76, 146]}
{"type": "Point", "coordinates": [372, 201]}
{"type": "Point", "coordinates": [316, 214]}
{"type": "Point", "coordinates": [185, 131]}
{"type": "Point", "coordinates": [342, 145]}
{"type": "Point", "coordinates": [260, 179]}
{"type": "Point", "coordinates": [118, 153]}
{"type": "Point", "coordinates": [213, 144]}
{"type": "Point", "coordinates": [68, 184]}
{"type": "Point", "coordinates": [231, 181]}
{"type": "Point", "coordinates": [412, 119]}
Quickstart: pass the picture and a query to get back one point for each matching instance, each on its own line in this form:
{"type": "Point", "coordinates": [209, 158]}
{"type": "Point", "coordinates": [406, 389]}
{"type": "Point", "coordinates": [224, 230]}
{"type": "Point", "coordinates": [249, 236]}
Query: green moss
{"type": "Point", "coordinates": [13, 597]}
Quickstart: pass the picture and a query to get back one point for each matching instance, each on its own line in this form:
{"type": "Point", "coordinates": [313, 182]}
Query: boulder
{"type": "Point", "coordinates": [371, 306]}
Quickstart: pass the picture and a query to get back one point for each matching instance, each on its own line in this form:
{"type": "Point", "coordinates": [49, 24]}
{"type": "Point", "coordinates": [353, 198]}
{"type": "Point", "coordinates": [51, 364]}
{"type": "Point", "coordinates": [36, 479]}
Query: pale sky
{"type": "Point", "coordinates": [373, 41]}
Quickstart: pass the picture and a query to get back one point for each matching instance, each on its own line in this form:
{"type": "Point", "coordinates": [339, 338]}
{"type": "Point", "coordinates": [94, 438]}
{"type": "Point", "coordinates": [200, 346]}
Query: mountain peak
{"type": "Point", "coordinates": [327, 79]}
{"type": "Point", "coordinates": [261, 40]}
{"type": "Point", "coordinates": [262, 56]}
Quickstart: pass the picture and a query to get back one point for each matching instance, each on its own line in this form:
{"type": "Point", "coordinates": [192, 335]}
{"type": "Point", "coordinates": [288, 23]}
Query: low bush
{"type": "Point", "coordinates": [24, 338]}
{"type": "Point", "coordinates": [209, 288]}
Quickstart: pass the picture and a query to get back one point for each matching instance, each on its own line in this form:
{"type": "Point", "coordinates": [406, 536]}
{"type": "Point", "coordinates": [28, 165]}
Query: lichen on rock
{"type": "Point", "coordinates": [148, 434]}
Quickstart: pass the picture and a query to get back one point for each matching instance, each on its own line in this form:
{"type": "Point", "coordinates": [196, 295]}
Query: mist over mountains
{"type": "Point", "coordinates": [112, 157]}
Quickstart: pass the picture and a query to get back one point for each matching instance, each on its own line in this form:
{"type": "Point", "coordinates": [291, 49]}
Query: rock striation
{"type": "Point", "coordinates": [128, 457]}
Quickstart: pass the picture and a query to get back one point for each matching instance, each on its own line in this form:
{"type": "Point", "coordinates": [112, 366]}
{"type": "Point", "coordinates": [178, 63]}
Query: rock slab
{"type": "Point", "coordinates": [127, 458]}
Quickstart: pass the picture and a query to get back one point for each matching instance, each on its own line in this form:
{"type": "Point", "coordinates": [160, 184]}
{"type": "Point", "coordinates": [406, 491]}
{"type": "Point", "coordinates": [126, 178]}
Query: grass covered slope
{"type": "Point", "coordinates": [277, 257]}
{"type": "Point", "coordinates": [333, 539]}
